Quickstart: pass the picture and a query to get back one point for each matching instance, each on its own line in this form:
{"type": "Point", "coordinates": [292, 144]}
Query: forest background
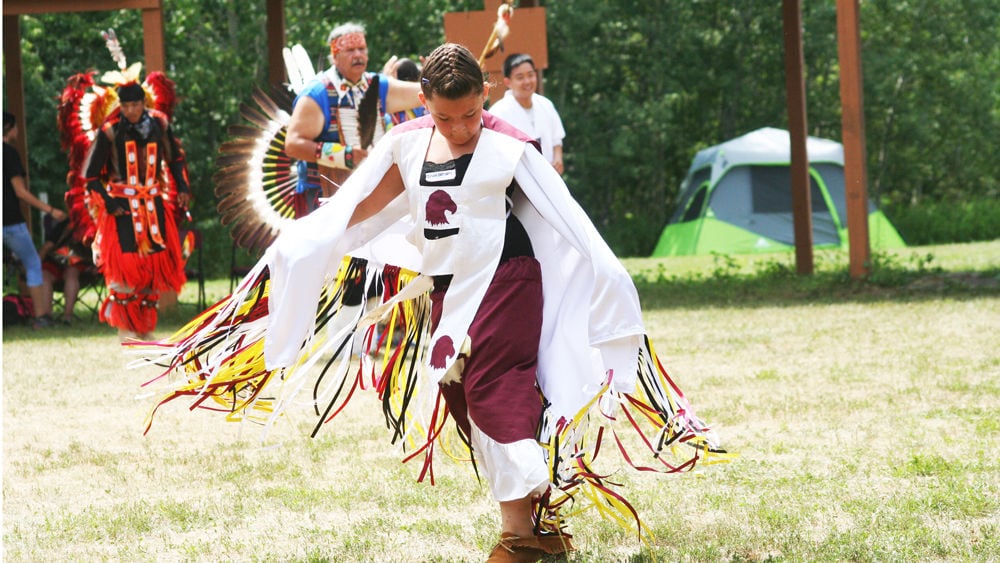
{"type": "Point", "coordinates": [641, 86]}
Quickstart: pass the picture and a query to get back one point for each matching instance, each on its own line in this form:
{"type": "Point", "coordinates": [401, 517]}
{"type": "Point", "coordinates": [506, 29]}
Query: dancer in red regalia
{"type": "Point", "coordinates": [135, 180]}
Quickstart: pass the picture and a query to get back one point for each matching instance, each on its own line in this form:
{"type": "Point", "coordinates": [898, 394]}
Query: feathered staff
{"type": "Point", "coordinates": [298, 66]}
{"type": "Point", "coordinates": [500, 30]}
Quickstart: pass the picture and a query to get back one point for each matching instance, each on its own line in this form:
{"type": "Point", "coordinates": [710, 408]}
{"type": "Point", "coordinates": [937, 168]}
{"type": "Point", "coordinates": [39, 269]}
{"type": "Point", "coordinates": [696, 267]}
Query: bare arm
{"type": "Point", "coordinates": [402, 95]}
{"type": "Point", "coordinates": [557, 158]}
{"type": "Point", "coordinates": [25, 195]}
{"type": "Point", "coordinates": [300, 141]}
{"type": "Point", "coordinates": [306, 124]}
{"type": "Point", "coordinates": [387, 189]}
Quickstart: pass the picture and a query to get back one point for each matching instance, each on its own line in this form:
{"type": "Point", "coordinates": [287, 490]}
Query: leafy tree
{"type": "Point", "coordinates": [642, 89]}
{"type": "Point", "coordinates": [641, 86]}
{"type": "Point", "coordinates": [931, 76]}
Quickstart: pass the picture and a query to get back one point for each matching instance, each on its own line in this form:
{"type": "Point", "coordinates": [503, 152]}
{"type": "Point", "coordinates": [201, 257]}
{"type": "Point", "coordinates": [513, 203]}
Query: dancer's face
{"type": "Point", "coordinates": [132, 111]}
{"type": "Point", "coordinates": [523, 81]}
{"type": "Point", "coordinates": [459, 120]}
{"type": "Point", "coordinates": [350, 56]}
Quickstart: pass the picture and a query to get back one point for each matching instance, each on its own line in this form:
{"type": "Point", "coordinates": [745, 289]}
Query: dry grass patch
{"type": "Point", "coordinates": [867, 430]}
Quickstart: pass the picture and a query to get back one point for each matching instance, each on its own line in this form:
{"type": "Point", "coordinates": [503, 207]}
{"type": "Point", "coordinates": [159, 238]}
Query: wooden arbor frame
{"type": "Point", "coordinates": [849, 51]}
{"type": "Point", "coordinates": [152, 40]}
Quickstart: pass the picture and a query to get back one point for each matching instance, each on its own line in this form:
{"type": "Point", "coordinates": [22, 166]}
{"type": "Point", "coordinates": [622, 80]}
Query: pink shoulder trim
{"type": "Point", "coordinates": [421, 122]}
{"type": "Point", "coordinates": [490, 121]}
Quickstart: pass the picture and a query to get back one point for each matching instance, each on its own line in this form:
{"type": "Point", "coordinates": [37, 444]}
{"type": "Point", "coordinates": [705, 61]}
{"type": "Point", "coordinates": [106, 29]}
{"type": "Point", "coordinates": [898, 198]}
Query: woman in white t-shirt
{"type": "Point", "coordinates": [529, 111]}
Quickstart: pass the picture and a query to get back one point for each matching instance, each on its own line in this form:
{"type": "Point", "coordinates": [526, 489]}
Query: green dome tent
{"type": "Point", "coordinates": [737, 199]}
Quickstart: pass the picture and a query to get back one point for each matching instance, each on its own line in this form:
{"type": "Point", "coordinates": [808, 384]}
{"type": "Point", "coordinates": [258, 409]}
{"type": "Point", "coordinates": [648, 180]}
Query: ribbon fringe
{"type": "Point", "coordinates": [370, 337]}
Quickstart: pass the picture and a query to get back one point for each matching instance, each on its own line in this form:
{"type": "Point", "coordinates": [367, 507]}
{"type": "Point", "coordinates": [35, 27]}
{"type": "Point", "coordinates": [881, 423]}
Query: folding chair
{"type": "Point", "coordinates": [11, 272]}
{"type": "Point", "coordinates": [91, 293]}
{"type": "Point", "coordinates": [92, 290]}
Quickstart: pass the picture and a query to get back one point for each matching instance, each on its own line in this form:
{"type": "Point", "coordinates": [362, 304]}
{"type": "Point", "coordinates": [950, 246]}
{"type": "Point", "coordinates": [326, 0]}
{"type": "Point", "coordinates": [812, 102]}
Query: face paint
{"type": "Point", "coordinates": [347, 42]}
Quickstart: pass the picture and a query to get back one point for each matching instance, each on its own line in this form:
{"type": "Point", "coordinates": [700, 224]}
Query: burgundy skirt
{"type": "Point", "coordinates": [498, 387]}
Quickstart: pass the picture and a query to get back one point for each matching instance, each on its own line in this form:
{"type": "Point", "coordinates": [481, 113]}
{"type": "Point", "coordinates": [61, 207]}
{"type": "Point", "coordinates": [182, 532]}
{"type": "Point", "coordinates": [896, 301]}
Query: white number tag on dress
{"type": "Point", "coordinates": [441, 175]}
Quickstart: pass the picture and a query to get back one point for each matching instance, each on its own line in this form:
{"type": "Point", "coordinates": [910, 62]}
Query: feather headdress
{"type": "Point", "coordinates": [83, 108]}
{"type": "Point", "coordinates": [255, 179]}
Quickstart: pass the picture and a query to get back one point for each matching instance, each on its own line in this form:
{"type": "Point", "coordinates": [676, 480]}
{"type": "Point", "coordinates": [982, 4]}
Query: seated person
{"type": "Point", "coordinates": [66, 263]}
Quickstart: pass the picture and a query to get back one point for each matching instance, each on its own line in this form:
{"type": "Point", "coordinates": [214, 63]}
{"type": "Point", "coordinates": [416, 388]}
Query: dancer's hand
{"type": "Point", "coordinates": [116, 208]}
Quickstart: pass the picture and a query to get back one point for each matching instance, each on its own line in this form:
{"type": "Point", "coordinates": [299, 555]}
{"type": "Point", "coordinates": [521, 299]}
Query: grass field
{"type": "Point", "coordinates": [866, 418]}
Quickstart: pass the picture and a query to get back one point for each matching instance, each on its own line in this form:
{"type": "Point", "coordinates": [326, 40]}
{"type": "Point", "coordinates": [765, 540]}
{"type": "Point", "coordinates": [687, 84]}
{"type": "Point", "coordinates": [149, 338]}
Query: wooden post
{"type": "Point", "coordinates": [15, 80]}
{"type": "Point", "coordinates": [276, 41]}
{"type": "Point", "coordinates": [853, 124]}
{"type": "Point", "coordinates": [152, 38]}
{"type": "Point", "coordinates": [15, 92]}
{"type": "Point", "coordinates": [796, 92]}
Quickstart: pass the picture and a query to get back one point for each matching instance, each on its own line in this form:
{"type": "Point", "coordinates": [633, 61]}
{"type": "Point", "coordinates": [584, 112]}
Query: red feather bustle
{"type": "Point", "coordinates": [79, 210]}
{"type": "Point", "coordinates": [75, 131]}
{"type": "Point", "coordinates": [163, 90]}
{"type": "Point", "coordinates": [82, 109]}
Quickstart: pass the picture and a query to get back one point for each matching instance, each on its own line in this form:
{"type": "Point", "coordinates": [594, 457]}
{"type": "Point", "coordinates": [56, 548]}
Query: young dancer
{"type": "Point", "coordinates": [521, 321]}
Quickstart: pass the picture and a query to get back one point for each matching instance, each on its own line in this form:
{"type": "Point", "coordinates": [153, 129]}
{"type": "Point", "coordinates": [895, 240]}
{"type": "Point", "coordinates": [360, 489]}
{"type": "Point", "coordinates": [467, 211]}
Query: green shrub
{"type": "Point", "coordinates": [947, 221]}
{"type": "Point", "coordinates": [735, 280]}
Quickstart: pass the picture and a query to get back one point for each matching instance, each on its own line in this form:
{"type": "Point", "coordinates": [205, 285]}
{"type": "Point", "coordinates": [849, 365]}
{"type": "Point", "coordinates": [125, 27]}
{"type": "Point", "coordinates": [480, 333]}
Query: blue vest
{"type": "Point", "coordinates": [330, 92]}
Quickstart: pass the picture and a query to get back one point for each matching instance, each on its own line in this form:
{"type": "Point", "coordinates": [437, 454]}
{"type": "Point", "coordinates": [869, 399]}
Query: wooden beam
{"type": "Point", "coordinates": [276, 42]}
{"type": "Point", "coordinates": [152, 38]}
{"type": "Point", "coordinates": [152, 20]}
{"type": "Point", "coordinates": [12, 7]}
{"type": "Point", "coordinates": [15, 79]}
{"type": "Point", "coordinates": [853, 125]}
{"type": "Point", "coordinates": [15, 93]}
{"type": "Point", "coordinates": [795, 88]}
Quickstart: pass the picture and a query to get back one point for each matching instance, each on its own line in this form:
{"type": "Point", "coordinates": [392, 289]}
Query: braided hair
{"type": "Point", "coordinates": [451, 71]}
